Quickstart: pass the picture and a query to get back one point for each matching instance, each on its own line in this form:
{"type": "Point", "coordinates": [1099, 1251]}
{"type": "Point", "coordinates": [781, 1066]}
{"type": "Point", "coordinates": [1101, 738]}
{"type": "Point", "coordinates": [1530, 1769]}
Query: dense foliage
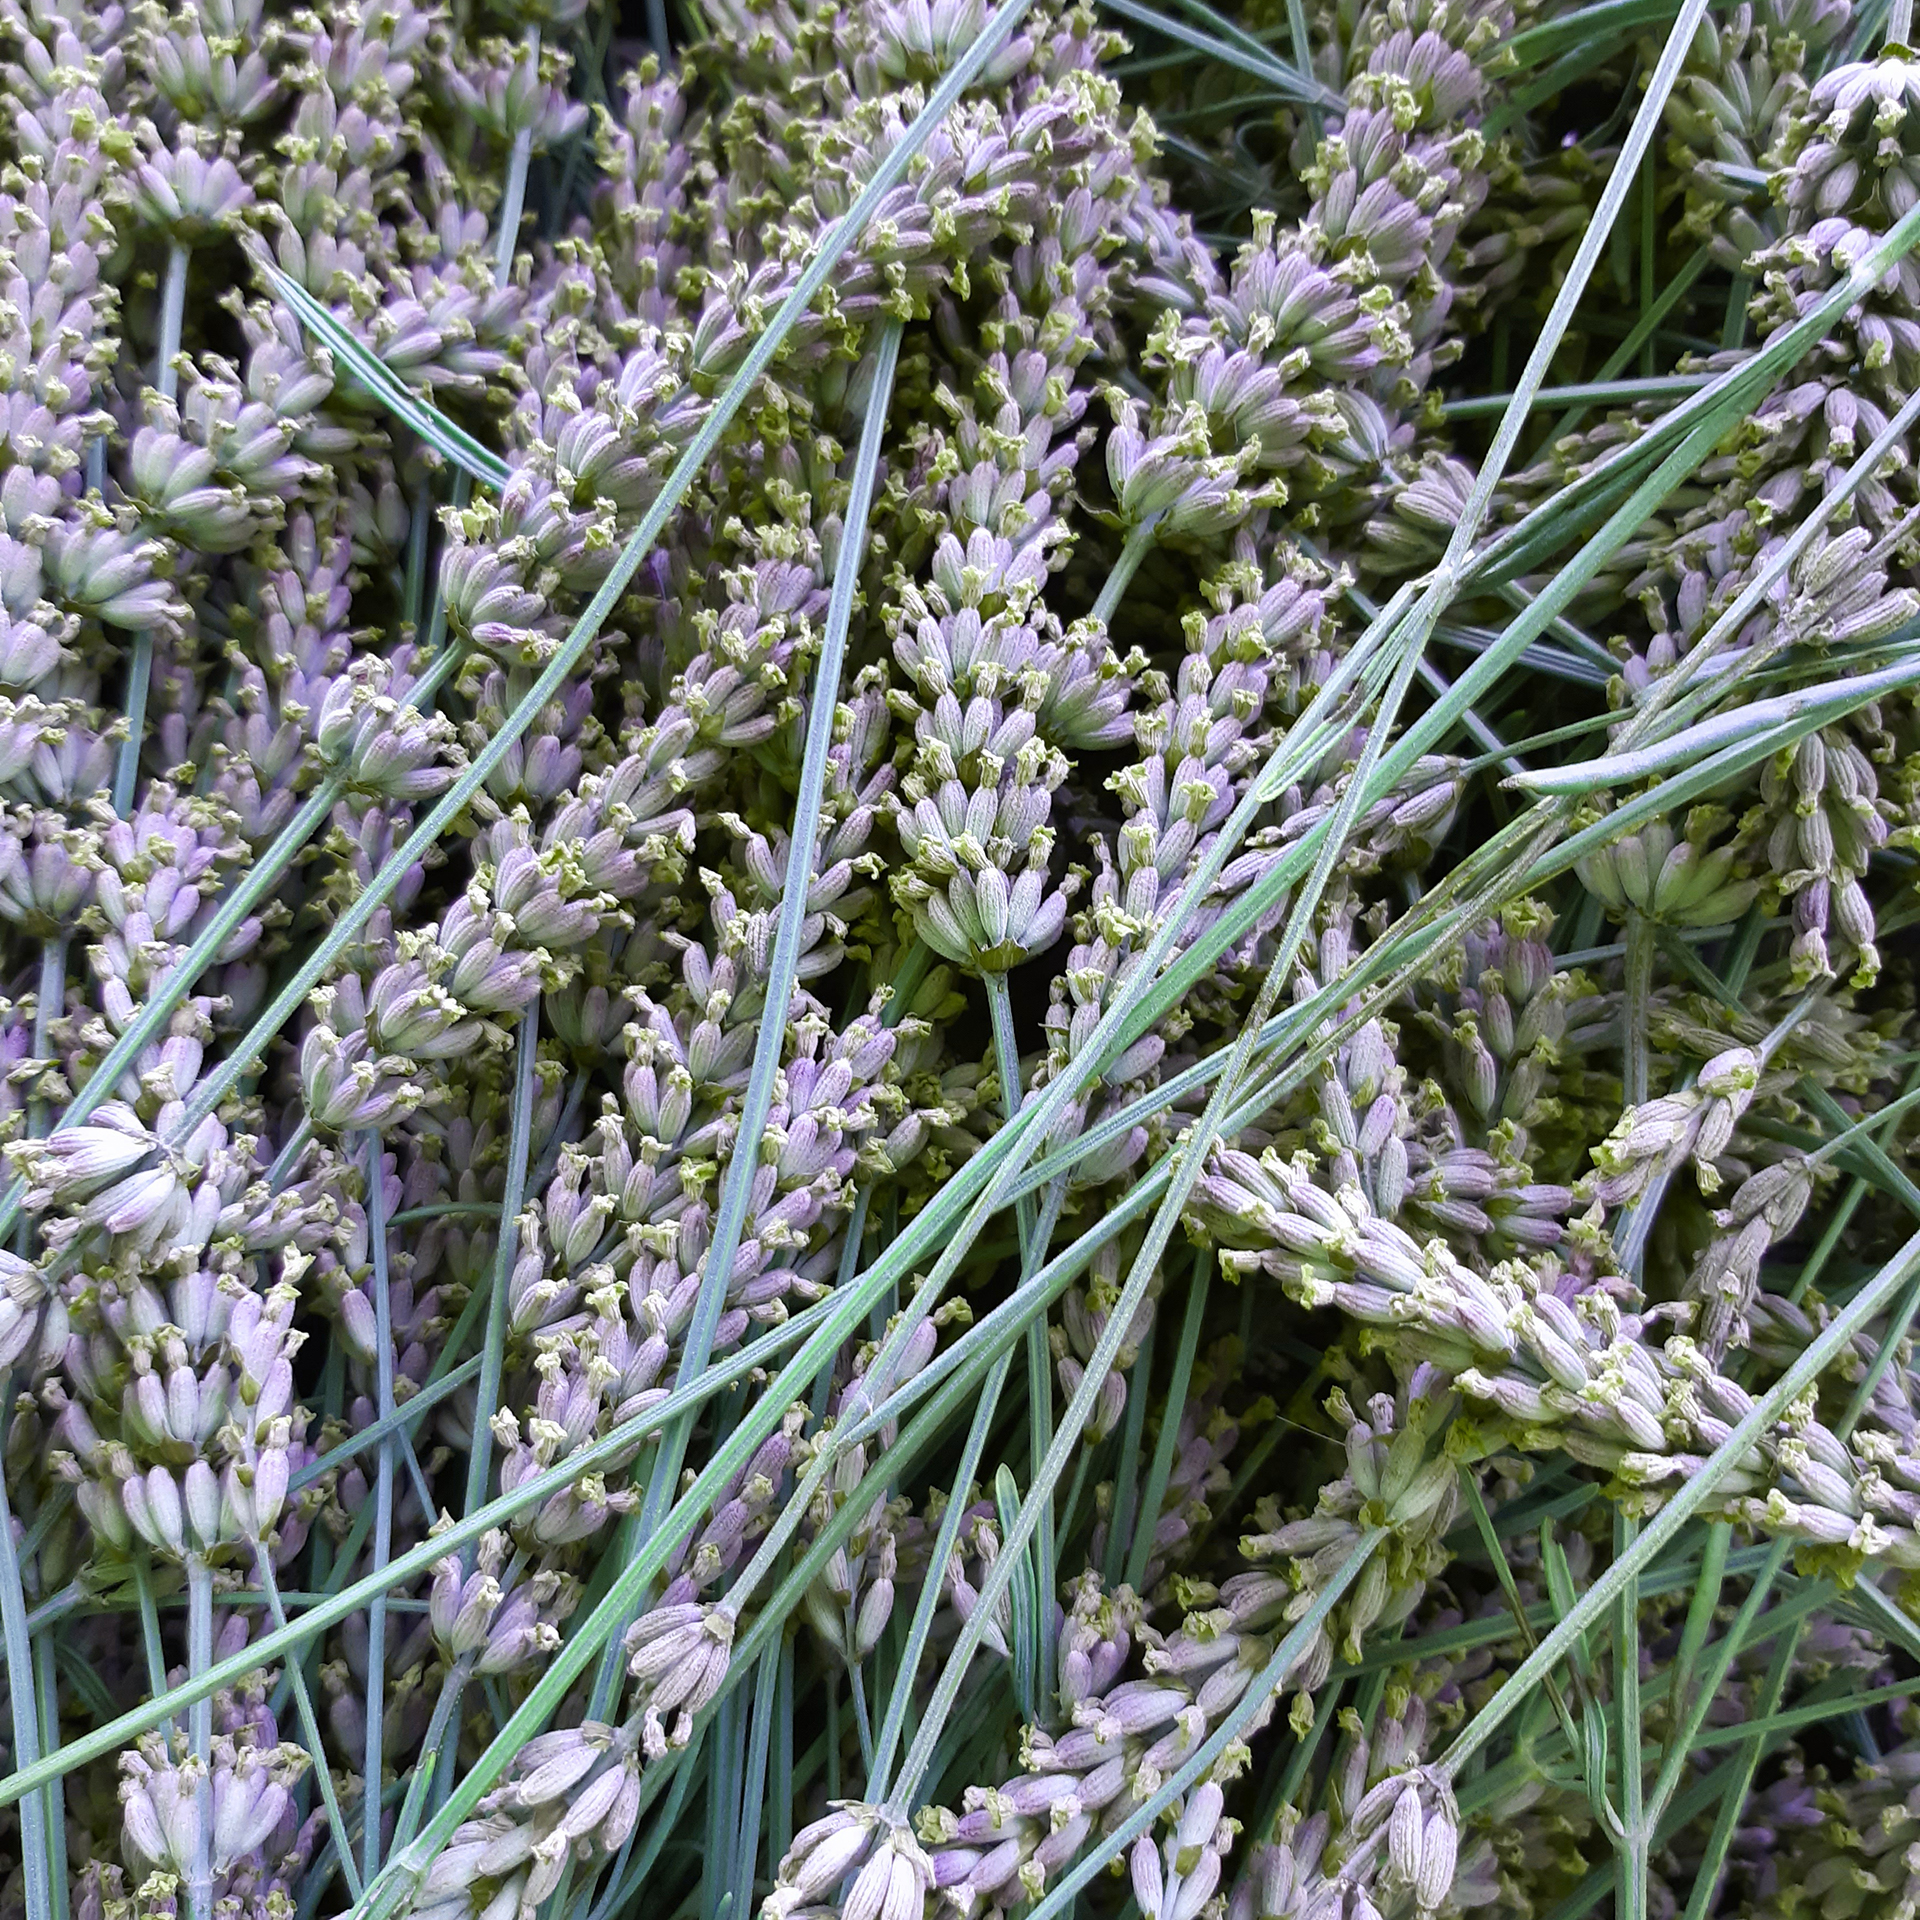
{"type": "Point", "coordinates": [955, 969]}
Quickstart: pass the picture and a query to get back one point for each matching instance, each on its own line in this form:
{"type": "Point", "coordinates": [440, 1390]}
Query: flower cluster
{"type": "Point", "coordinates": [855, 997]}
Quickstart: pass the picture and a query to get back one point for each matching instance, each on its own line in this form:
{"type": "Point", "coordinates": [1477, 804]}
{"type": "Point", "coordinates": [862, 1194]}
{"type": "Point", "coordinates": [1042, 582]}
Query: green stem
{"type": "Point", "coordinates": [126, 767]}
{"type": "Point", "coordinates": [780, 1816]}
{"type": "Point", "coordinates": [1631, 1849]}
{"type": "Point", "coordinates": [506, 1253]}
{"type": "Point", "coordinates": [310, 1726]}
{"type": "Point", "coordinates": [166, 376]}
{"type": "Point", "coordinates": [420, 1781]}
{"type": "Point", "coordinates": [1199, 1764]}
{"type": "Point", "coordinates": [1693, 1636]}
{"type": "Point", "coordinates": [1706, 1883]}
{"type": "Point", "coordinates": [47, 1685]}
{"type": "Point", "coordinates": [1006, 1060]}
{"type": "Point", "coordinates": [1303, 59]}
{"type": "Point", "coordinates": [1483, 1521]}
{"type": "Point", "coordinates": [1139, 543]}
{"type": "Point", "coordinates": [1636, 1040]}
{"type": "Point", "coordinates": [928, 1604]}
{"type": "Point", "coordinates": [1140, 1554]}
{"type": "Point", "coordinates": [398, 1421]}
{"type": "Point", "coordinates": [150, 1632]}
{"type": "Point", "coordinates": [514, 200]}
{"type": "Point", "coordinates": [1126, 1480]}
{"type": "Point", "coordinates": [783, 967]}
{"type": "Point", "coordinates": [1006, 1051]}
{"type": "Point", "coordinates": [35, 1865]}
{"type": "Point", "coordinates": [376, 1703]}
{"type": "Point", "coordinates": [753, 1789]}
{"type": "Point", "coordinates": [48, 1002]}
{"type": "Point", "coordinates": [200, 1733]}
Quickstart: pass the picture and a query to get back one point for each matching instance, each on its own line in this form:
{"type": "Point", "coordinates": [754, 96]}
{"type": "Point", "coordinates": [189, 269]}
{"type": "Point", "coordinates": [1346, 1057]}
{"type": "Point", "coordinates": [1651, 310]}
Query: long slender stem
{"type": "Point", "coordinates": [48, 1003]}
{"type": "Point", "coordinates": [425, 1769]}
{"type": "Point", "coordinates": [783, 968]}
{"type": "Point", "coordinates": [1693, 1635]}
{"type": "Point", "coordinates": [1632, 1848]}
{"type": "Point", "coordinates": [493, 1356]}
{"type": "Point", "coordinates": [200, 1733]}
{"type": "Point", "coordinates": [1636, 1041]}
{"type": "Point", "coordinates": [1733, 1801]}
{"type": "Point", "coordinates": [1673, 1765]}
{"type": "Point", "coordinates": [928, 1603]}
{"type": "Point", "coordinates": [1126, 1483]}
{"type": "Point", "coordinates": [47, 1685]}
{"type": "Point", "coordinates": [310, 1727]}
{"type": "Point", "coordinates": [1006, 1060]}
{"type": "Point", "coordinates": [36, 1866]}
{"type": "Point", "coordinates": [1006, 1050]}
{"type": "Point", "coordinates": [753, 1787]}
{"type": "Point", "coordinates": [376, 1703]}
{"type": "Point", "coordinates": [514, 200]}
{"type": "Point", "coordinates": [173, 313]}
{"type": "Point", "coordinates": [1483, 1522]}
{"type": "Point", "coordinates": [1139, 543]}
{"type": "Point", "coordinates": [126, 768]}
{"type": "Point", "coordinates": [150, 1631]}
{"type": "Point", "coordinates": [1140, 1554]}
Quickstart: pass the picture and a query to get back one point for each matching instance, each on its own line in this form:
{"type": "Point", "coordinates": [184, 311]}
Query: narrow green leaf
{"type": "Point", "coordinates": [447, 437]}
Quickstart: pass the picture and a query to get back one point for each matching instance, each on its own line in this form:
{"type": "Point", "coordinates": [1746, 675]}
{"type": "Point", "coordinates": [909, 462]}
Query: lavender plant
{"type": "Point", "coordinates": [958, 960]}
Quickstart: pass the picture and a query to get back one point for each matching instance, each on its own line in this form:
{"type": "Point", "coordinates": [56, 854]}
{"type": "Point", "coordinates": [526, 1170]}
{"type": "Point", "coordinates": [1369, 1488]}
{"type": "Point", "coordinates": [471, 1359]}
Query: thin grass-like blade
{"type": "Point", "coordinates": [447, 437]}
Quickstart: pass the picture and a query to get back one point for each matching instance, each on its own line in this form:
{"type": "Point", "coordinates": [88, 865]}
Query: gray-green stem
{"type": "Point", "coordinates": [310, 1725]}
{"type": "Point", "coordinates": [47, 1685]}
{"type": "Point", "coordinates": [493, 1357]}
{"type": "Point", "coordinates": [1140, 1551]}
{"type": "Point", "coordinates": [513, 202]}
{"type": "Point", "coordinates": [1630, 1902]}
{"type": "Point", "coordinates": [200, 1733]}
{"type": "Point", "coordinates": [173, 313]}
{"type": "Point", "coordinates": [1006, 1050]}
{"type": "Point", "coordinates": [376, 1705]}
{"type": "Point", "coordinates": [36, 1868]}
{"type": "Point", "coordinates": [1139, 544]}
{"type": "Point", "coordinates": [1637, 1041]}
{"type": "Point", "coordinates": [126, 766]}
{"type": "Point", "coordinates": [928, 1603]}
